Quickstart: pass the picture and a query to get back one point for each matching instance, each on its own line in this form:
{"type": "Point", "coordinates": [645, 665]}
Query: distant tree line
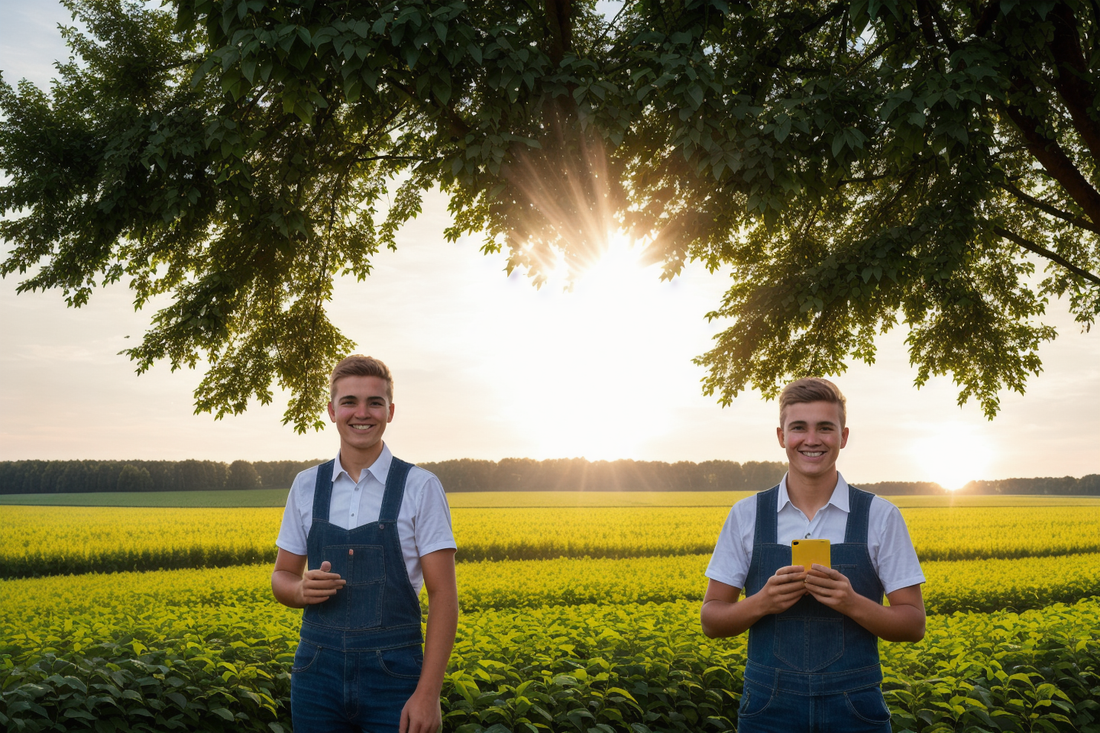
{"type": "Point", "coordinates": [65, 477]}
{"type": "Point", "coordinates": [1085, 486]}
{"type": "Point", "coordinates": [580, 474]}
{"type": "Point", "coordinates": [466, 474]}
{"type": "Point", "coordinates": [509, 474]}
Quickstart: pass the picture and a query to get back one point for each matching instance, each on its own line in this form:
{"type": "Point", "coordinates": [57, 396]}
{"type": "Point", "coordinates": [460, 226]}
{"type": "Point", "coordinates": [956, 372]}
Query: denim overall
{"type": "Point", "coordinates": [812, 669]}
{"type": "Point", "coordinates": [360, 654]}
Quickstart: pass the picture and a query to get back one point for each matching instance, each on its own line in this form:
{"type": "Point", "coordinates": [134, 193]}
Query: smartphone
{"type": "Point", "coordinates": [808, 552]}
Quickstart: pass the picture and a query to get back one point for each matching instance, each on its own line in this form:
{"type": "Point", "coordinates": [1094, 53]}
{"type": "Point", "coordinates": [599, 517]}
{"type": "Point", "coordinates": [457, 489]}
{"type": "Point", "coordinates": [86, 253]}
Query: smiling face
{"type": "Point", "coordinates": [812, 435]}
{"type": "Point", "coordinates": [361, 410]}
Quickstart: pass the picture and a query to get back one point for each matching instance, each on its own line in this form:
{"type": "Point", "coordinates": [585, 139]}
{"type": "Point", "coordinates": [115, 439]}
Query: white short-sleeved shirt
{"type": "Point", "coordinates": [423, 522]}
{"type": "Point", "coordinates": [892, 554]}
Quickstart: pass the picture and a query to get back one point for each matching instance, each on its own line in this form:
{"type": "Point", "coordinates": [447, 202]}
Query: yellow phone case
{"type": "Point", "coordinates": [808, 552]}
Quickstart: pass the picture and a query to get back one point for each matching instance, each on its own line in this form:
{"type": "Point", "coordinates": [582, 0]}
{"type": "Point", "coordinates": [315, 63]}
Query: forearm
{"type": "Point", "coordinates": [724, 618]}
{"type": "Point", "coordinates": [287, 588]}
{"type": "Point", "coordinates": [902, 622]}
{"type": "Point", "coordinates": [439, 639]}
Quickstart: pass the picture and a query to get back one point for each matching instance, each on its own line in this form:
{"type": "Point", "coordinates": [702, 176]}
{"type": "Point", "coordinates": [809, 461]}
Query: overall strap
{"type": "Point", "coordinates": [859, 515]}
{"type": "Point", "coordinates": [767, 518]}
{"type": "Point", "coordinates": [395, 490]}
{"type": "Point", "coordinates": [322, 491]}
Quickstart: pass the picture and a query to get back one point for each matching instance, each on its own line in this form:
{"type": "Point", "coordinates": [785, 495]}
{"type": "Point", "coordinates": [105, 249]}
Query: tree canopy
{"type": "Point", "coordinates": [854, 165]}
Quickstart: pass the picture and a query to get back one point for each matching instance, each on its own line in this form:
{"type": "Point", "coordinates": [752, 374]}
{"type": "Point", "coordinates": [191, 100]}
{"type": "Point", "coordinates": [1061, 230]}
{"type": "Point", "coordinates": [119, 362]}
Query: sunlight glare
{"type": "Point", "coordinates": [591, 381]}
{"type": "Point", "coordinates": [954, 455]}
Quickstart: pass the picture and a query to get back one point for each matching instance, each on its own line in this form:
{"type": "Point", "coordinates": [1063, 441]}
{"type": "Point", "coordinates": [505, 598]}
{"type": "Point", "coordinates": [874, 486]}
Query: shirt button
{"type": "Point", "coordinates": [807, 536]}
{"type": "Point", "coordinates": [356, 488]}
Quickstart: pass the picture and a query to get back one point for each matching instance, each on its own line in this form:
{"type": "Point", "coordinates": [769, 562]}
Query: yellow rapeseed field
{"type": "Point", "coordinates": [49, 540]}
{"type": "Point", "coordinates": [112, 598]}
{"type": "Point", "coordinates": [53, 540]}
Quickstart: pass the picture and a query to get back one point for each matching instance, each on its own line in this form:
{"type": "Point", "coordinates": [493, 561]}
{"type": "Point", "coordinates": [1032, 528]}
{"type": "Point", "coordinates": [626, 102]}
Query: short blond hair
{"type": "Point", "coordinates": [358, 365]}
{"type": "Point", "coordinates": [811, 389]}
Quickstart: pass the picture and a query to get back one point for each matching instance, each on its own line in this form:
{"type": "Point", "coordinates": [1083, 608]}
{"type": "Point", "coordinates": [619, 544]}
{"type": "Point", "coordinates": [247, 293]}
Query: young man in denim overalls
{"type": "Point", "coordinates": [371, 529]}
{"type": "Point", "coordinates": [813, 660]}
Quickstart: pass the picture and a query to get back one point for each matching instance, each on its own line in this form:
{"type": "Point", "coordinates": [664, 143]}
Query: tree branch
{"type": "Point", "coordinates": [610, 24]}
{"type": "Point", "coordinates": [1073, 219]}
{"type": "Point", "coordinates": [942, 26]}
{"type": "Point", "coordinates": [864, 179]}
{"type": "Point", "coordinates": [559, 28]}
{"type": "Point", "coordinates": [986, 18]}
{"type": "Point", "coordinates": [1044, 252]}
{"type": "Point", "coordinates": [1050, 154]}
{"type": "Point", "coordinates": [874, 54]}
{"type": "Point", "coordinates": [1070, 81]}
{"type": "Point", "coordinates": [410, 158]}
{"type": "Point", "coordinates": [924, 22]}
{"type": "Point", "coordinates": [459, 128]}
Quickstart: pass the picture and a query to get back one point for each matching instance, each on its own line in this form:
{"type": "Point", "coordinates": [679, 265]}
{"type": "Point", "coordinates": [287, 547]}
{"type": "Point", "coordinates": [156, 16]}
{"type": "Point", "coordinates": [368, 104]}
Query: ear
{"type": "Point", "coordinates": [390, 418]}
{"type": "Point", "coordinates": [779, 435]}
{"type": "Point", "coordinates": [331, 412]}
{"type": "Point", "coordinates": [844, 437]}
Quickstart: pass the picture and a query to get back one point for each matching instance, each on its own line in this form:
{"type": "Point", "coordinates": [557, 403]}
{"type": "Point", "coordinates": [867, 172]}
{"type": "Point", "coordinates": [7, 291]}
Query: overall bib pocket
{"type": "Point", "coordinates": [360, 600]}
{"type": "Point", "coordinates": [808, 644]}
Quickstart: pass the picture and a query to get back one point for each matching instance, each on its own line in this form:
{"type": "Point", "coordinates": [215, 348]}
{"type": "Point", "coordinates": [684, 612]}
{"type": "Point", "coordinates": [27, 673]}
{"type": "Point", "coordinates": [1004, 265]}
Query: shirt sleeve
{"type": "Point", "coordinates": [432, 529]}
{"type": "Point", "coordinates": [292, 532]}
{"type": "Point", "coordinates": [729, 564]}
{"type": "Point", "coordinates": [893, 556]}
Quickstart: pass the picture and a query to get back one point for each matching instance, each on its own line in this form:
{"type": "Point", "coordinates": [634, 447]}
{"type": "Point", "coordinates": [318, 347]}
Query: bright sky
{"type": "Point", "coordinates": [487, 366]}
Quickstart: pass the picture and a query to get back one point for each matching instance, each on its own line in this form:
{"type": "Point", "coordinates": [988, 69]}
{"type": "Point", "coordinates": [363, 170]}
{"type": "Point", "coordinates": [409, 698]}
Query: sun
{"type": "Point", "coordinates": [954, 454]}
{"type": "Point", "coordinates": [589, 382]}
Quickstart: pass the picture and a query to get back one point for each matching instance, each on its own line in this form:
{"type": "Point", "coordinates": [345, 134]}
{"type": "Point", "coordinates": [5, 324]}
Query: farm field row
{"type": "Point", "coordinates": [509, 499]}
{"type": "Point", "coordinates": [961, 585]}
{"type": "Point", "coordinates": [628, 667]}
{"type": "Point", "coordinates": [43, 541]}
{"type": "Point", "coordinates": [964, 585]}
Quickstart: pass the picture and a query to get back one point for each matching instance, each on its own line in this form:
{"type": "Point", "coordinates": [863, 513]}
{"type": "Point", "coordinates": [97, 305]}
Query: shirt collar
{"type": "Point", "coordinates": [380, 469]}
{"type": "Point", "coordinates": [839, 499]}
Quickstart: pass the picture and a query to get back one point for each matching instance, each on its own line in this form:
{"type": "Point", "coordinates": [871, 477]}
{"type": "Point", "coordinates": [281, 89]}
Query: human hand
{"type": "Point", "coordinates": [421, 714]}
{"type": "Point", "coordinates": [783, 589]}
{"type": "Point", "coordinates": [319, 585]}
{"type": "Point", "coordinates": [830, 587]}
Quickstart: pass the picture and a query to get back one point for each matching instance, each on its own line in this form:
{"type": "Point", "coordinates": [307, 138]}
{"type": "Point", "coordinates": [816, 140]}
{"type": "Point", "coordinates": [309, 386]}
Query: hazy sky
{"type": "Point", "coordinates": [488, 367]}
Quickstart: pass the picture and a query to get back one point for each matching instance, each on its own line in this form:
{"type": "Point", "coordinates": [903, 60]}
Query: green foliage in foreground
{"type": "Point", "coordinates": [632, 668]}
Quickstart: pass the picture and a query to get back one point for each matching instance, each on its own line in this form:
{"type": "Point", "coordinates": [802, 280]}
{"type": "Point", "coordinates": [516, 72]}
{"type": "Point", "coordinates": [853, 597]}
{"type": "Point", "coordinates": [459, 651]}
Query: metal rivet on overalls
{"type": "Point", "coordinates": [351, 552]}
{"type": "Point", "coordinates": [381, 526]}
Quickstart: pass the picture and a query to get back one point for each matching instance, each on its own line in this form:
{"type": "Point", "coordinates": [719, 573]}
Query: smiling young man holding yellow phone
{"type": "Point", "coordinates": [813, 662]}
